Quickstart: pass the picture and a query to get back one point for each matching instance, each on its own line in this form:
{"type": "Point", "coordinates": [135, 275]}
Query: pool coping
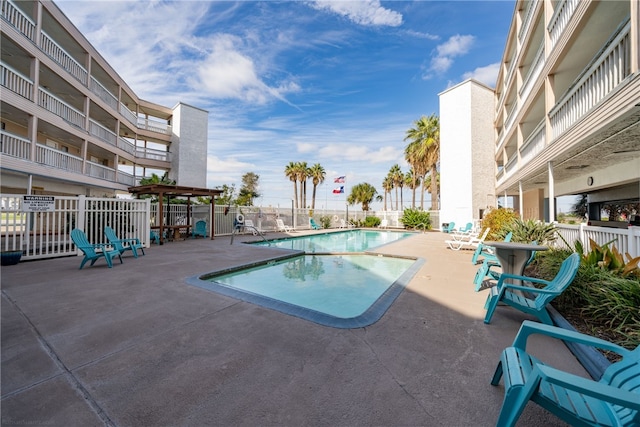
{"type": "Point", "coordinates": [369, 317]}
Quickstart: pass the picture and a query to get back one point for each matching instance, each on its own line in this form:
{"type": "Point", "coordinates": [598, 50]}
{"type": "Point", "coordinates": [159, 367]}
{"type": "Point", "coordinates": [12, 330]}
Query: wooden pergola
{"type": "Point", "coordinates": [162, 190]}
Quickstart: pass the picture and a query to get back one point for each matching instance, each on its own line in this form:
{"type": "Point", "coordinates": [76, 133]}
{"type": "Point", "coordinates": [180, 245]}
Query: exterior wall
{"type": "Point", "coordinates": [533, 204]}
{"type": "Point", "coordinates": [189, 146]}
{"type": "Point", "coordinates": [466, 160]}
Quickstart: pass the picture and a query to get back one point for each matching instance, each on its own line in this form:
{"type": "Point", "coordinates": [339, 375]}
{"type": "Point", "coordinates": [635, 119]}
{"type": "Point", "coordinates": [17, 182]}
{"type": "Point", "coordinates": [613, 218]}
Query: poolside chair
{"type": "Point", "coordinates": [249, 224]}
{"type": "Point", "coordinates": [471, 242]}
{"type": "Point", "coordinates": [485, 270]}
{"type": "Point", "coordinates": [281, 226]}
{"type": "Point", "coordinates": [486, 251]}
{"type": "Point", "coordinates": [463, 232]}
{"type": "Point", "coordinates": [313, 224]}
{"type": "Point", "coordinates": [532, 300]}
{"type": "Point", "coordinates": [154, 237]}
{"type": "Point", "coordinates": [613, 400]}
{"type": "Point", "coordinates": [93, 252]}
{"type": "Point", "coordinates": [123, 245]}
{"type": "Point", "coordinates": [384, 224]}
{"type": "Point", "coordinates": [200, 229]}
{"type": "Point", "coordinates": [449, 228]}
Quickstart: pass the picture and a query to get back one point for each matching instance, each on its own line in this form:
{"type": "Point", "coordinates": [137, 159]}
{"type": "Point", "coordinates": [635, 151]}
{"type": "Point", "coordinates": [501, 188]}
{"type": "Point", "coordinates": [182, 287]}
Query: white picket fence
{"type": "Point", "coordinates": [45, 234]}
{"type": "Point", "coordinates": [625, 240]}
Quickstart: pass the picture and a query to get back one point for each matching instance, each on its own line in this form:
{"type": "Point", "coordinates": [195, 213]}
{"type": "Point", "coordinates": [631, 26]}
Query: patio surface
{"type": "Point", "coordinates": [136, 346]}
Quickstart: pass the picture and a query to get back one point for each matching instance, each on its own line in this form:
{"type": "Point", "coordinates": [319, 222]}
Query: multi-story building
{"type": "Point", "coordinates": [71, 125]}
{"type": "Point", "coordinates": [567, 106]}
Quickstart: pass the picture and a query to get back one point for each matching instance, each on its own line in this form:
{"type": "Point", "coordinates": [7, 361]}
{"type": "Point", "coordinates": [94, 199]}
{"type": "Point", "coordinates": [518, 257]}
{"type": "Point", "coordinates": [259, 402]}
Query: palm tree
{"type": "Point", "coordinates": [396, 175]}
{"type": "Point", "coordinates": [303, 174]}
{"type": "Point", "coordinates": [412, 181]}
{"type": "Point", "coordinates": [292, 173]}
{"type": "Point", "coordinates": [424, 152]}
{"type": "Point", "coordinates": [317, 174]}
{"type": "Point", "coordinates": [387, 186]}
{"type": "Point", "coordinates": [362, 193]}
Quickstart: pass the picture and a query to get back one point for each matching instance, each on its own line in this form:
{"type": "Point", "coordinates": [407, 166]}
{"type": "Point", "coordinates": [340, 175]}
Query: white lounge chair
{"type": "Point", "coordinates": [470, 243]}
{"type": "Point", "coordinates": [384, 224]}
{"type": "Point", "coordinates": [281, 226]}
{"type": "Point", "coordinates": [248, 224]}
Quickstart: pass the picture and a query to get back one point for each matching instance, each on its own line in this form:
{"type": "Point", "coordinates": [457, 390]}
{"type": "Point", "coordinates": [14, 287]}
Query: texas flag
{"type": "Point", "coordinates": [339, 180]}
{"type": "Point", "coordinates": [338, 190]}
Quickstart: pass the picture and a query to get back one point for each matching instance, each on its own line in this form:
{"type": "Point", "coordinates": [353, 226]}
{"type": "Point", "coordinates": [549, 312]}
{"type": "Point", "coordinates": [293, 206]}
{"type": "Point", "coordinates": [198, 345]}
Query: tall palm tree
{"type": "Point", "coordinates": [398, 180]}
{"type": "Point", "coordinates": [362, 193]}
{"type": "Point", "coordinates": [303, 174]}
{"type": "Point", "coordinates": [317, 174]}
{"type": "Point", "coordinates": [292, 173]}
{"type": "Point", "coordinates": [387, 186]}
{"type": "Point", "coordinates": [412, 181]}
{"type": "Point", "coordinates": [424, 152]}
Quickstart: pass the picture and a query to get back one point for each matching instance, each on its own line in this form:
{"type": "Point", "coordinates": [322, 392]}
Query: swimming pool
{"type": "Point", "coordinates": [344, 241]}
{"type": "Point", "coordinates": [341, 291]}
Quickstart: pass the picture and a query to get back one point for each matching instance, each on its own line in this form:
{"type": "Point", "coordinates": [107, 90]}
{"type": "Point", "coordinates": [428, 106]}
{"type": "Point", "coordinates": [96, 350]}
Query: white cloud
{"type": "Point", "coordinates": [487, 75]}
{"type": "Point", "coordinates": [457, 45]}
{"type": "Point", "coordinates": [361, 12]}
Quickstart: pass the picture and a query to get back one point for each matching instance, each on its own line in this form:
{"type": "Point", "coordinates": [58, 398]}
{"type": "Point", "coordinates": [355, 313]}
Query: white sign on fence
{"type": "Point", "coordinates": [38, 203]}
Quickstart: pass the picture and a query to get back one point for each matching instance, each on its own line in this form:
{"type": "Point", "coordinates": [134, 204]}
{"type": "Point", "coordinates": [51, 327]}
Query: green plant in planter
{"type": "Point", "coordinates": [527, 231]}
{"type": "Point", "coordinates": [416, 219]}
{"type": "Point", "coordinates": [325, 221]}
{"type": "Point", "coordinates": [609, 258]}
{"type": "Point", "coordinates": [497, 220]}
{"type": "Point", "coordinates": [371, 221]}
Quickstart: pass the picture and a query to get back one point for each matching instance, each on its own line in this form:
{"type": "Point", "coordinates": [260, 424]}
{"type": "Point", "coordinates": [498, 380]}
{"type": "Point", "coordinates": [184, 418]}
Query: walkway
{"type": "Point", "coordinates": [135, 346]}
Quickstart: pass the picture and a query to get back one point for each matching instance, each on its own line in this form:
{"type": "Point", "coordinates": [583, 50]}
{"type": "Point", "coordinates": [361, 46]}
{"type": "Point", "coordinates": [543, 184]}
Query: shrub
{"type": "Point", "coordinates": [325, 221]}
{"type": "Point", "coordinates": [497, 219]}
{"type": "Point", "coordinates": [528, 231]}
{"type": "Point", "coordinates": [416, 219]}
{"type": "Point", "coordinates": [370, 221]}
{"type": "Point", "coordinates": [608, 258]}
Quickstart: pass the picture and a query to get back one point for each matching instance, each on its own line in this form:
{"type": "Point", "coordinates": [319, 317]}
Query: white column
{"type": "Point", "coordinates": [552, 195]}
{"type": "Point", "coordinates": [520, 197]}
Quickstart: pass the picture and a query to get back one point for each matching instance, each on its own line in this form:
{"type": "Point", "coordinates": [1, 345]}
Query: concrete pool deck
{"type": "Point", "coordinates": [136, 346]}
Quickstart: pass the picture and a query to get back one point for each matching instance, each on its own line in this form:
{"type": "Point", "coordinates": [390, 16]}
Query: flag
{"type": "Point", "coordinates": [339, 180]}
{"type": "Point", "coordinates": [338, 190]}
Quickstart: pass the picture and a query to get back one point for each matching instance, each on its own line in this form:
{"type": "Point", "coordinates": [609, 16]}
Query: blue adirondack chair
{"type": "Point", "coordinates": [200, 229]}
{"type": "Point", "coordinates": [449, 228]}
{"type": "Point", "coordinates": [93, 252]}
{"type": "Point", "coordinates": [484, 251]}
{"type": "Point", "coordinates": [313, 224]}
{"type": "Point", "coordinates": [485, 269]}
{"type": "Point", "coordinates": [536, 304]}
{"type": "Point", "coordinates": [123, 245]}
{"type": "Point", "coordinates": [614, 400]}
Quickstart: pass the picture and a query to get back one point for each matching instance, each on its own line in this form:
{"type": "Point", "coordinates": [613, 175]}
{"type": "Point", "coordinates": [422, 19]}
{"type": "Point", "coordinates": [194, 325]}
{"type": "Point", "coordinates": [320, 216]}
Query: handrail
{"type": "Point", "coordinates": [258, 232]}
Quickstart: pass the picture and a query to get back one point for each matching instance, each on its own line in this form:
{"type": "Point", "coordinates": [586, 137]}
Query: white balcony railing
{"type": "Point", "coordinates": [96, 129]}
{"type": "Point", "coordinates": [103, 93]}
{"type": "Point", "coordinates": [533, 73]}
{"type": "Point", "coordinates": [154, 126]}
{"type": "Point", "coordinates": [533, 145]}
{"type": "Point", "coordinates": [511, 116]}
{"type": "Point", "coordinates": [511, 166]}
{"type": "Point", "coordinates": [58, 159]}
{"type": "Point", "coordinates": [126, 146]}
{"type": "Point", "coordinates": [560, 19]}
{"type": "Point", "coordinates": [608, 71]}
{"type": "Point", "coordinates": [16, 82]}
{"type": "Point", "coordinates": [19, 20]}
{"type": "Point", "coordinates": [60, 108]}
{"type": "Point", "coordinates": [528, 17]}
{"type": "Point", "coordinates": [66, 61]}
{"type": "Point", "coordinates": [126, 179]}
{"type": "Point", "coordinates": [99, 171]}
{"type": "Point", "coordinates": [14, 146]}
{"type": "Point", "coordinates": [128, 114]}
{"type": "Point", "coordinates": [151, 154]}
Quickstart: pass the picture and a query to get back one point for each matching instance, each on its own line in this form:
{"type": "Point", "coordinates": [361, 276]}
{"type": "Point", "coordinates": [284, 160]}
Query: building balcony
{"type": "Point", "coordinates": [102, 93]}
{"type": "Point", "coordinates": [14, 146]}
{"type": "Point", "coordinates": [533, 145]}
{"type": "Point", "coordinates": [606, 72]}
{"type": "Point", "coordinates": [59, 55]}
{"type": "Point", "coordinates": [58, 159]}
{"type": "Point", "coordinates": [16, 82]}
{"type": "Point", "coordinates": [533, 73]}
{"type": "Point", "coordinates": [561, 17]}
{"type": "Point", "coordinates": [19, 20]}
{"type": "Point", "coordinates": [51, 103]}
{"type": "Point", "coordinates": [528, 17]}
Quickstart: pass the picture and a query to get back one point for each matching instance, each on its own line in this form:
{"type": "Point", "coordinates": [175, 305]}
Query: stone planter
{"type": "Point", "coordinates": [10, 257]}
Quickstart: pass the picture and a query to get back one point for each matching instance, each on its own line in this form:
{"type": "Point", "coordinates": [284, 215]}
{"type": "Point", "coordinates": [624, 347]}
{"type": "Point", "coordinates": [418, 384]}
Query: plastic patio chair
{"type": "Point", "coordinates": [200, 229]}
{"type": "Point", "coordinates": [93, 252]}
{"type": "Point", "coordinates": [313, 224]}
{"type": "Point", "coordinates": [488, 263]}
{"type": "Point", "coordinates": [123, 245]}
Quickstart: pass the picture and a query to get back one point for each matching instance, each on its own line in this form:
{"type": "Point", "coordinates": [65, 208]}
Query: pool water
{"type": "Point", "coordinates": [342, 291]}
{"type": "Point", "coordinates": [346, 241]}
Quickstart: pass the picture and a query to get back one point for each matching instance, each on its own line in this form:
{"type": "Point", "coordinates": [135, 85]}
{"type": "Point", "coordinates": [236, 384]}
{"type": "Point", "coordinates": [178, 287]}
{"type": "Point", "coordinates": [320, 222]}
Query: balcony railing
{"type": "Point", "coordinates": [103, 93]}
{"type": "Point", "coordinates": [96, 129]}
{"type": "Point", "coordinates": [19, 20]}
{"type": "Point", "coordinates": [154, 126]}
{"type": "Point", "coordinates": [128, 114]}
{"type": "Point", "coordinates": [16, 82]}
{"type": "Point", "coordinates": [528, 16]}
{"type": "Point", "coordinates": [14, 146]}
{"type": "Point", "coordinates": [610, 68]}
{"type": "Point", "coordinates": [151, 154]}
{"type": "Point", "coordinates": [511, 116]}
{"type": "Point", "coordinates": [60, 108]}
{"type": "Point", "coordinates": [511, 166]}
{"type": "Point", "coordinates": [126, 179]}
{"type": "Point", "coordinates": [99, 171]}
{"type": "Point", "coordinates": [58, 54]}
{"type": "Point", "coordinates": [560, 19]}
{"type": "Point", "coordinates": [533, 145]}
{"type": "Point", "coordinates": [534, 72]}
{"type": "Point", "coordinates": [126, 146]}
{"type": "Point", "coordinates": [58, 159]}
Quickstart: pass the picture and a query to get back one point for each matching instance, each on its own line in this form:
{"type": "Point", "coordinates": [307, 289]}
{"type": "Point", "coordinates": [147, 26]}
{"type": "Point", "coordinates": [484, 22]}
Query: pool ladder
{"type": "Point", "coordinates": [256, 232]}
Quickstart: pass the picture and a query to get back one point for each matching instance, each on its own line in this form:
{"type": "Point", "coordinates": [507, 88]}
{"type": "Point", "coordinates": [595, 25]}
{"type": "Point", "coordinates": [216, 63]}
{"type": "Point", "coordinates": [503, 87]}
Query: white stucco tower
{"type": "Point", "coordinates": [189, 146]}
{"type": "Point", "coordinates": [467, 161]}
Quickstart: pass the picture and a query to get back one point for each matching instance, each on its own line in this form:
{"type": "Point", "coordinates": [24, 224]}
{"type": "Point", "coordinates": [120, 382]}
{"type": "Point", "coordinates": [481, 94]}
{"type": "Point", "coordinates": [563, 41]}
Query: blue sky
{"type": "Point", "coordinates": [329, 82]}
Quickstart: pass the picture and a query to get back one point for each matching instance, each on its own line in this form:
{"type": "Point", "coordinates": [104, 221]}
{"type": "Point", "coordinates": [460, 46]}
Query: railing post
{"type": "Point", "coordinates": [582, 237]}
{"type": "Point", "coordinates": [634, 241]}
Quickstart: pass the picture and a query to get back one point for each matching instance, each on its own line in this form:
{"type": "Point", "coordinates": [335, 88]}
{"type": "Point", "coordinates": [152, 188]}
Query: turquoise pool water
{"type": "Point", "coordinates": [346, 241]}
{"type": "Point", "coordinates": [342, 291]}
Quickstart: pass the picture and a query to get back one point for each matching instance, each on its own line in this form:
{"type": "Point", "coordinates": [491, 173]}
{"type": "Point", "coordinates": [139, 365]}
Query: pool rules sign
{"type": "Point", "coordinates": [38, 203]}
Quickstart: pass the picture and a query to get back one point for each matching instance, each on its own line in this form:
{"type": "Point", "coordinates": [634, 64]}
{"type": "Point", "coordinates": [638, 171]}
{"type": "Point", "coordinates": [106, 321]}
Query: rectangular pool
{"type": "Point", "coordinates": [345, 241]}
